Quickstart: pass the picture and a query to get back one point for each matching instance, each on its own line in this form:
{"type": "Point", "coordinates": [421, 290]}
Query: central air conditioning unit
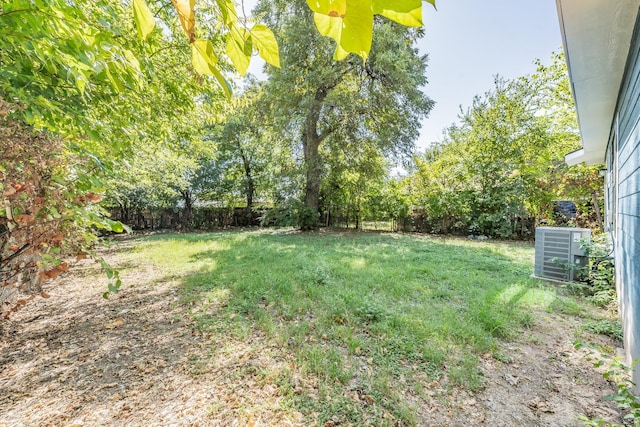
{"type": "Point", "coordinates": [560, 254]}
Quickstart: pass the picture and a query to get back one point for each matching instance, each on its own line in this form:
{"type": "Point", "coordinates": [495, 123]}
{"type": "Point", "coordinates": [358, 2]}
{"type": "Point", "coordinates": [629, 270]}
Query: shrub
{"type": "Point", "coordinates": [600, 277]}
{"type": "Point", "coordinates": [47, 204]}
{"type": "Point", "coordinates": [292, 213]}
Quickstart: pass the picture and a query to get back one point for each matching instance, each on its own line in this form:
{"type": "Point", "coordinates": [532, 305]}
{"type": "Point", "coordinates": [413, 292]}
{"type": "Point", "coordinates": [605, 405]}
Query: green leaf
{"type": "Point", "coordinates": [239, 48]}
{"type": "Point", "coordinates": [405, 12]}
{"type": "Point", "coordinates": [145, 22]}
{"type": "Point", "coordinates": [114, 287]}
{"type": "Point", "coordinates": [115, 83]}
{"type": "Point", "coordinates": [223, 82]}
{"type": "Point", "coordinates": [266, 43]}
{"type": "Point", "coordinates": [204, 61]}
{"type": "Point", "coordinates": [117, 227]}
{"type": "Point", "coordinates": [81, 83]}
{"type": "Point", "coordinates": [54, 212]}
{"type": "Point", "coordinates": [228, 11]}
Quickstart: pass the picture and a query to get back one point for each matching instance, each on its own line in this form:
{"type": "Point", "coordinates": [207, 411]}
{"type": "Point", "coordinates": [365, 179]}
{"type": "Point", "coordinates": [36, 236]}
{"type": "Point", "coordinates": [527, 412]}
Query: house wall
{"type": "Point", "coordinates": [623, 158]}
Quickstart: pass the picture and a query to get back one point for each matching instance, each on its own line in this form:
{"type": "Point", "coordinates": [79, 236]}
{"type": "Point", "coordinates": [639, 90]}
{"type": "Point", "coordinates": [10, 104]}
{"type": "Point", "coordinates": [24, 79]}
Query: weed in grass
{"type": "Point", "coordinates": [197, 366]}
{"type": "Point", "coordinates": [466, 373]}
{"type": "Point", "coordinates": [611, 328]}
{"type": "Point", "coordinates": [604, 298]}
{"type": "Point", "coordinates": [316, 274]}
{"type": "Point", "coordinates": [496, 323]}
{"type": "Point", "coordinates": [433, 352]}
{"type": "Point", "coordinates": [370, 312]}
{"type": "Point", "coordinates": [384, 388]}
{"type": "Point", "coordinates": [500, 356]}
{"type": "Point", "coordinates": [567, 306]}
{"type": "Point", "coordinates": [533, 339]}
{"type": "Point", "coordinates": [323, 362]}
{"type": "Point", "coordinates": [525, 319]}
{"type": "Point", "coordinates": [265, 322]}
{"type": "Point", "coordinates": [356, 345]}
{"type": "Point", "coordinates": [297, 333]}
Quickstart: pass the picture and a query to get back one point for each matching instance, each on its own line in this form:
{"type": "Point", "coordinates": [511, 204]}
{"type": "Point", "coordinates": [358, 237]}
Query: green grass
{"type": "Point", "coordinates": [405, 307]}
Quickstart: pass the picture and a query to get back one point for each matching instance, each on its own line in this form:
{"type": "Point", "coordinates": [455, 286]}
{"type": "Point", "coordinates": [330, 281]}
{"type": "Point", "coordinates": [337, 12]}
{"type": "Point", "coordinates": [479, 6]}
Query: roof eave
{"type": "Point", "coordinates": [596, 37]}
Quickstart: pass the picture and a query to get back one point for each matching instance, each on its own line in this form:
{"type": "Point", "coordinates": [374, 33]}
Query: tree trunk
{"type": "Point", "coordinates": [248, 213]}
{"type": "Point", "coordinates": [312, 160]}
{"type": "Point", "coordinates": [188, 209]}
{"type": "Point", "coordinates": [311, 143]}
{"type": "Point", "coordinates": [328, 217]}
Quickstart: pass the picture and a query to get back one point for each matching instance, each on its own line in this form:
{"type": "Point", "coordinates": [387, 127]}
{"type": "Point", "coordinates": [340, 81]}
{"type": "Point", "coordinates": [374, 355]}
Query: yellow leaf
{"type": "Point", "coordinates": [340, 53]}
{"type": "Point", "coordinates": [228, 11]}
{"type": "Point", "coordinates": [348, 22]}
{"type": "Point", "coordinates": [204, 62]}
{"type": "Point", "coordinates": [405, 12]}
{"type": "Point", "coordinates": [239, 48]}
{"type": "Point", "coordinates": [333, 8]}
{"type": "Point", "coordinates": [202, 56]}
{"type": "Point", "coordinates": [186, 13]}
{"type": "Point", "coordinates": [145, 22]}
{"type": "Point", "coordinates": [266, 43]}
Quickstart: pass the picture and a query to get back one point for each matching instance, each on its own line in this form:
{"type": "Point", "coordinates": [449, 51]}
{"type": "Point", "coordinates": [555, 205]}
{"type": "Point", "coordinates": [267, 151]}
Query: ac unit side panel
{"type": "Point", "coordinates": [556, 248]}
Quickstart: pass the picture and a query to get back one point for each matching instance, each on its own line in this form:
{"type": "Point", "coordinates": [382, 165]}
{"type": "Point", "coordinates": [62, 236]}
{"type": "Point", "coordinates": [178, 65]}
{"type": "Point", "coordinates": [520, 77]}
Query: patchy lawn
{"type": "Point", "coordinates": [281, 328]}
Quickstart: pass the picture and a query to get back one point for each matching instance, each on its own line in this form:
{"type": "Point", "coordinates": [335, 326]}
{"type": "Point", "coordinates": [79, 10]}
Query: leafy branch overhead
{"type": "Point", "coordinates": [240, 44]}
{"type": "Point", "coordinates": [348, 22]}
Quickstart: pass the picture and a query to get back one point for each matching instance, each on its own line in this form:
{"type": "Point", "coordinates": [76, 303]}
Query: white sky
{"type": "Point", "coordinates": [468, 43]}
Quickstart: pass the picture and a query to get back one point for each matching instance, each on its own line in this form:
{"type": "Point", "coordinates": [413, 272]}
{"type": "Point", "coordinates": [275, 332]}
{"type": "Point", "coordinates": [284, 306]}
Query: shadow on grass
{"type": "Point", "coordinates": [360, 311]}
{"type": "Point", "coordinates": [340, 327]}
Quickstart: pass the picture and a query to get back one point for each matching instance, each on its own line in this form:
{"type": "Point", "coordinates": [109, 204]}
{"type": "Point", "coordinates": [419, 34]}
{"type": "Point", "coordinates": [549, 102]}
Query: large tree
{"type": "Point", "coordinates": [317, 101]}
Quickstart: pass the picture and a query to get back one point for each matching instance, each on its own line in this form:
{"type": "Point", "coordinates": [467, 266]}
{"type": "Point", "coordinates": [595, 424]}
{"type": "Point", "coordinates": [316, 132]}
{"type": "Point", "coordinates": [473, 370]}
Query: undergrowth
{"type": "Point", "coordinates": [619, 374]}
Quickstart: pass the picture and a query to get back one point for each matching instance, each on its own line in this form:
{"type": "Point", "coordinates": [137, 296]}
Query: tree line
{"type": "Point", "coordinates": [498, 171]}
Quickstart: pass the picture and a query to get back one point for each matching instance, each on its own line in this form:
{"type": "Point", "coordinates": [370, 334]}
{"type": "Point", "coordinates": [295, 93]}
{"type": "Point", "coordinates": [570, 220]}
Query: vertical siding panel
{"type": "Point", "coordinates": [627, 208]}
{"type": "Point", "coordinates": [628, 101]}
{"type": "Point", "coordinates": [626, 151]}
{"type": "Point", "coordinates": [631, 164]}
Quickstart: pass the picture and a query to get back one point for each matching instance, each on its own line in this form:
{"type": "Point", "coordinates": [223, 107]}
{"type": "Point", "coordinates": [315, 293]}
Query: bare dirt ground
{"type": "Point", "coordinates": [76, 359]}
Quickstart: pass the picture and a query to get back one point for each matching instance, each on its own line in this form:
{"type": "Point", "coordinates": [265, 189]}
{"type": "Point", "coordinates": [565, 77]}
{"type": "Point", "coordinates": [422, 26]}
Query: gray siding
{"type": "Point", "coordinates": [626, 209]}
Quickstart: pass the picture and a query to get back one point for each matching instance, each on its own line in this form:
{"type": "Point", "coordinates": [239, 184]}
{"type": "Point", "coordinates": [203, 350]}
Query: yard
{"type": "Point", "coordinates": [277, 327]}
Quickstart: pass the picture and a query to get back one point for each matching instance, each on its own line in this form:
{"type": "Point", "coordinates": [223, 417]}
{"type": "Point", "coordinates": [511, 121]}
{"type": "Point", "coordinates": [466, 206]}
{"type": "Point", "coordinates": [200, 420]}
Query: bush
{"type": "Point", "coordinates": [292, 213]}
{"type": "Point", "coordinates": [600, 277]}
{"type": "Point", "coordinates": [47, 206]}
